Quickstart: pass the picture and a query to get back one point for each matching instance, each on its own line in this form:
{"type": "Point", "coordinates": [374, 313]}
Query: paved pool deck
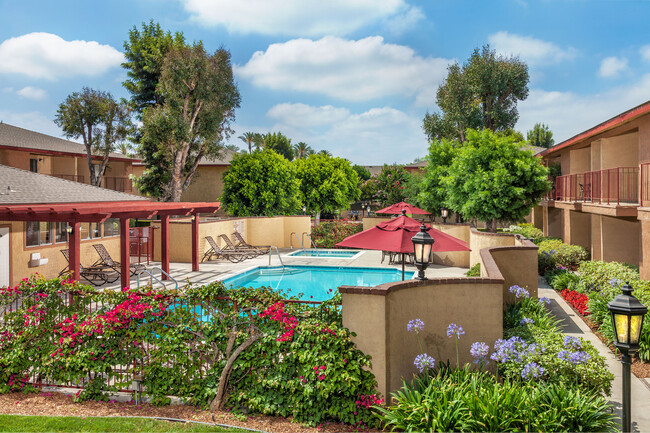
{"type": "Point", "coordinates": [574, 325]}
{"type": "Point", "coordinates": [221, 269]}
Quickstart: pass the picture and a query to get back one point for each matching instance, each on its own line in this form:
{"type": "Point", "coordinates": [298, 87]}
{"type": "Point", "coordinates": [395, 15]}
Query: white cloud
{"type": "Point", "coordinates": [568, 114]}
{"type": "Point", "coordinates": [611, 67]}
{"type": "Point", "coordinates": [30, 92]}
{"type": "Point", "coordinates": [296, 17]}
{"type": "Point", "coordinates": [406, 21]}
{"type": "Point", "coordinates": [644, 51]}
{"type": "Point", "coordinates": [45, 55]}
{"type": "Point", "coordinates": [348, 70]}
{"type": "Point", "coordinates": [374, 137]}
{"type": "Point", "coordinates": [533, 51]}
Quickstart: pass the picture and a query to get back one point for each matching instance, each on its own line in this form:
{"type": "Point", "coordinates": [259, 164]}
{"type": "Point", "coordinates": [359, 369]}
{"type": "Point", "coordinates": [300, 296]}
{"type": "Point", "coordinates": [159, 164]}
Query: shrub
{"type": "Point", "coordinates": [474, 271]}
{"type": "Point", "coordinates": [466, 400]}
{"type": "Point", "coordinates": [552, 252]}
{"type": "Point", "coordinates": [526, 230]}
{"type": "Point", "coordinates": [561, 280]}
{"type": "Point", "coordinates": [598, 275]}
{"type": "Point", "coordinates": [330, 233]}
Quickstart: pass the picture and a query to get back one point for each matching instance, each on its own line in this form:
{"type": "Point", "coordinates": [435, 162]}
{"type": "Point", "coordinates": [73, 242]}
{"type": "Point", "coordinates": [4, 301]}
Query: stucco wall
{"type": "Point", "coordinates": [644, 253]}
{"type": "Point", "coordinates": [453, 258]}
{"type": "Point", "coordinates": [580, 160]}
{"type": "Point", "coordinates": [20, 254]}
{"type": "Point", "coordinates": [207, 184]}
{"type": "Point", "coordinates": [580, 229]}
{"type": "Point", "coordinates": [620, 240]}
{"type": "Point", "coordinates": [555, 223]}
{"type": "Point", "coordinates": [480, 240]}
{"type": "Point", "coordinates": [596, 241]}
{"type": "Point", "coordinates": [369, 222]}
{"type": "Point", "coordinates": [621, 151]}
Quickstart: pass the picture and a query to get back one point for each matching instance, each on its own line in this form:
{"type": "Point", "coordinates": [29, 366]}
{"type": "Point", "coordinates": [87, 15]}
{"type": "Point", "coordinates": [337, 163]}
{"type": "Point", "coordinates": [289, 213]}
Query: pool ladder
{"type": "Point", "coordinates": [291, 240]}
{"type": "Point", "coordinates": [276, 252]}
{"type": "Point", "coordinates": [310, 240]}
{"type": "Point", "coordinates": [153, 277]}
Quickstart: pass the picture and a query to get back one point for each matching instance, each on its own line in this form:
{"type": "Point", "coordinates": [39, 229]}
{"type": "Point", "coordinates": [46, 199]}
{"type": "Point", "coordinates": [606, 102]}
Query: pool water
{"type": "Point", "coordinates": [339, 254]}
{"type": "Point", "coordinates": [317, 283]}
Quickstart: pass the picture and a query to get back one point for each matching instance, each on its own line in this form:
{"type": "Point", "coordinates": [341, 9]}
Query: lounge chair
{"type": "Point", "coordinates": [105, 259]}
{"type": "Point", "coordinates": [241, 242]}
{"type": "Point", "coordinates": [230, 246]}
{"type": "Point", "coordinates": [97, 275]}
{"type": "Point", "coordinates": [219, 253]}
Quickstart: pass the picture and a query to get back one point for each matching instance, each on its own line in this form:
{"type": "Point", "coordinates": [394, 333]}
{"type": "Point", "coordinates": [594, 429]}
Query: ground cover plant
{"type": "Point", "coordinates": [245, 349]}
{"type": "Point", "coordinates": [543, 381]}
{"type": "Point", "coordinates": [327, 234]}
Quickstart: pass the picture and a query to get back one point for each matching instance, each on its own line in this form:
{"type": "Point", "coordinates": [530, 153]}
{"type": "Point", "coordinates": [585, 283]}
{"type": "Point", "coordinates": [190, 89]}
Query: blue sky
{"type": "Point", "coordinates": [354, 77]}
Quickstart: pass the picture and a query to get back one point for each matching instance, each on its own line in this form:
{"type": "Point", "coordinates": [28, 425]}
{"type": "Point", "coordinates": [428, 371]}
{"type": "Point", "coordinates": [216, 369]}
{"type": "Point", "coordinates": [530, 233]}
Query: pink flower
{"type": "Point", "coordinates": [321, 377]}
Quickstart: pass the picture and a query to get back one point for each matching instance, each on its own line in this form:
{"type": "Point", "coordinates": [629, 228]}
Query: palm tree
{"type": "Point", "coordinates": [302, 150]}
{"type": "Point", "coordinates": [249, 139]}
{"type": "Point", "coordinates": [325, 152]}
{"type": "Point", "coordinates": [258, 141]}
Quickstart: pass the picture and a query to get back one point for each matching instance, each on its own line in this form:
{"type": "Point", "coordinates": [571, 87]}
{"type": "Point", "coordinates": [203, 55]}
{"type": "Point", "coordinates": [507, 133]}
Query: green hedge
{"type": "Point", "coordinates": [525, 229]}
{"type": "Point", "coordinates": [330, 233]}
{"type": "Point", "coordinates": [554, 252]}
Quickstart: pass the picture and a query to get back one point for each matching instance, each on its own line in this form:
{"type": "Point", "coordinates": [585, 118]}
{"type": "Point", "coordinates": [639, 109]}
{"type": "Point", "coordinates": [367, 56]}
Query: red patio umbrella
{"type": "Point", "coordinates": [395, 236]}
{"type": "Point", "coordinates": [398, 207]}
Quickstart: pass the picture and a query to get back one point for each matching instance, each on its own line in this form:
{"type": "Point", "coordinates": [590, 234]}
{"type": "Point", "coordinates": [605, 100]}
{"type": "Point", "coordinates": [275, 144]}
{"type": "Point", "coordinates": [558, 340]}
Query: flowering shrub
{"type": "Point", "coordinates": [527, 230]}
{"type": "Point", "coordinates": [261, 356]}
{"type": "Point", "coordinates": [554, 251]}
{"type": "Point", "coordinates": [327, 234]}
{"type": "Point", "coordinates": [576, 300]}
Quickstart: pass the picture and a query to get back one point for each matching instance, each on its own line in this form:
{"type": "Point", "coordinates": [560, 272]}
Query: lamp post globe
{"type": "Point", "coordinates": [627, 317]}
{"type": "Point", "coordinates": [444, 213]}
{"type": "Point", "coordinates": [422, 245]}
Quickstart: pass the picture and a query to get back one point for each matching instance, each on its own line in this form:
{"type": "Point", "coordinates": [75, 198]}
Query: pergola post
{"type": "Point", "coordinates": [125, 253]}
{"type": "Point", "coordinates": [74, 249]}
{"type": "Point", "coordinates": [164, 244]}
{"type": "Point", "coordinates": [195, 241]}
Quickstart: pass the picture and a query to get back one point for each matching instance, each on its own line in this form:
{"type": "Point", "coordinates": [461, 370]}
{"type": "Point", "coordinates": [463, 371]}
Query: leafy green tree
{"type": "Point", "coordinates": [483, 93]}
{"type": "Point", "coordinates": [362, 172]}
{"type": "Point", "coordinates": [100, 120]}
{"type": "Point", "coordinates": [280, 143]}
{"type": "Point", "coordinates": [326, 183]}
{"type": "Point", "coordinates": [261, 183]}
{"type": "Point", "coordinates": [492, 178]}
{"type": "Point", "coordinates": [540, 136]}
{"type": "Point", "coordinates": [199, 101]}
{"type": "Point", "coordinates": [145, 53]}
{"type": "Point", "coordinates": [248, 138]}
{"type": "Point", "coordinates": [432, 195]}
{"type": "Point", "coordinates": [302, 150]}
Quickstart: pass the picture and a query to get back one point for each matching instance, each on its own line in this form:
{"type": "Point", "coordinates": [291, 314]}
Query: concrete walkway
{"type": "Point", "coordinates": [575, 326]}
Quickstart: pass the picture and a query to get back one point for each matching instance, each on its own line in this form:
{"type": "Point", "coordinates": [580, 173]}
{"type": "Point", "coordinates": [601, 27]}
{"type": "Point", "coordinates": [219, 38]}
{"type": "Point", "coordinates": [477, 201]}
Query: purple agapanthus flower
{"type": "Point", "coordinates": [456, 330]}
{"type": "Point", "coordinates": [415, 325]}
{"type": "Point", "coordinates": [519, 292]}
{"type": "Point", "coordinates": [544, 300]}
{"type": "Point", "coordinates": [579, 358]}
{"type": "Point", "coordinates": [572, 343]}
{"type": "Point", "coordinates": [424, 362]}
{"type": "Point", "coordinates": [532, 370]}
{"type": "Point", "coordinates": [614, 282]}
{"type": "Point", "coordinates": [479, 352]}
{"type": "Point", "coordinates": [526, 321]}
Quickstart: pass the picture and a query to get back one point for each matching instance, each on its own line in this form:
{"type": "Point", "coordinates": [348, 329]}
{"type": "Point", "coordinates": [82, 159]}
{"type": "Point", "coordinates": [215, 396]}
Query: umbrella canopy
{"type": "Point", "coordinates": [395, 235]}
{"type": "Point", "coordinates": [398, 207]}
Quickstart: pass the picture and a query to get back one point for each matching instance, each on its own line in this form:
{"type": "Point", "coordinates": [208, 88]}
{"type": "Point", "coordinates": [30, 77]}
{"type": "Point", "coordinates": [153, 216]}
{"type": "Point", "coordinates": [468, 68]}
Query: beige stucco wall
{"type": "Point", "coordinates": [518, 266]}
{"type": "Point", "coordinates": [596, 241]}
{"type": "Point", "coordinates": [620, 240]}
{"type": "Point", "coordinates": [453, 258]}
{"type": "Point", "coordinates": [580, 229]}
{"type": "Point", "coordinates": [644, 253]}
{"type": "Point", "coordinates": [580, 160]}
{"type": "Point", "coordinates": [479, 240]}
{"type": "Point", "coordinates": [207, 184]}
{"type": "Point", "coordinates": [14, 158]}
{"type": "Point", "coordinates": [555, 223]}
{"type": "Point", "coordinates": [537, 219]}
{"type": "Point", "coordinates": [369, 222]}
{"type": "Point", "coordinates": [620, 151]}
{"type": "Point", "coordinates": [20, 254]}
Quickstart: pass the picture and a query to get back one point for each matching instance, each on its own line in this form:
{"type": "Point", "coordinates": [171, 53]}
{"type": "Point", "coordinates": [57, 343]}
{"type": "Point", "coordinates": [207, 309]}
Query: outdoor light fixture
{"type": "Point", "coordinates": [627, 316]}
{"type": "Point", "coordinates": [422, 244]}
{"type": "Point", "coordinates": [304, 210]}
{"type": "Point", "coordinates": [444, 213]}
{"type": "Point", "coordinates": [69, 230]}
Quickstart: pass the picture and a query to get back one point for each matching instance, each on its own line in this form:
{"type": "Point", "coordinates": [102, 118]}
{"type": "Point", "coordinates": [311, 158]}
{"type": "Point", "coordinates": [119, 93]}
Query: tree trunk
{"type": "Point", "coordinates": [219, 399]}
{"type": "Point", "coordinates": [318, 218]}
{"type": "Point", "coordinates": [491, 226]}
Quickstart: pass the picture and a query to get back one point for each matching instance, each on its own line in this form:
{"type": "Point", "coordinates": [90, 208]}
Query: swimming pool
{"type": "Point", "coordinates": [317, 283]}
{"type": "Point", "coordinates": [329, 254]}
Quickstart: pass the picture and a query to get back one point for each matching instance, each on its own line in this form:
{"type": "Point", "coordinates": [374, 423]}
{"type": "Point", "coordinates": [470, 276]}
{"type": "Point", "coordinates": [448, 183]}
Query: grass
{"type": "Point", "coordinates": [20, 423]}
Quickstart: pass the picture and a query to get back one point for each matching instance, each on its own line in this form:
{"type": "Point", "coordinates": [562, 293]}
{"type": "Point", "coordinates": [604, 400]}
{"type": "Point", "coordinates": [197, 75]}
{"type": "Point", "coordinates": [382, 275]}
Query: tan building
{"type": "Point", "coordinates": [600, 199]}
{"type": "Point", "coordinates": [44, 154]}
{"type": "Point", "coordinates": [207, 182]}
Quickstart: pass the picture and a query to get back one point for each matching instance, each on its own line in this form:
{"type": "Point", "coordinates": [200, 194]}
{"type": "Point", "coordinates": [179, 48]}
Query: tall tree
{"type": "Point", "coordinates": [145, 53]}
{"type": "Point", "coordinates": [258, 141]}
{"type": "Point", "coordinates": [492, 178]}
{"type": "Point", "coordinates": [249, 139]}
{"type": "Point", "coordinates": [540, 136]}
{"type": "Point", "coordinates": [483, 93]}
{"type": "Point", "coordinates": [326, 183]}
{"type": "Point", "coordinates": [432, 194]}
{"type": "Point", "coordinates": [261, 183]}
{"type": "Point", "coordinates": [100, 120]}
{"type": "Point", "coordinates": [302, 150]}
{"type": "Point", "coordinates": [280, 143]}
{"type": "Point", "coordinates": [199, 101]}
{"type": "Point", "coordinates": [389, 185]}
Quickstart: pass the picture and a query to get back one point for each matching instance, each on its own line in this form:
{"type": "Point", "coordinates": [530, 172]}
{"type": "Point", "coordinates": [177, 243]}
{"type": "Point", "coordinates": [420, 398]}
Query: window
{"type": "Point", "coordinates": [90, 230]}
{"type": "Point", "coordinates": [111, 227]}
{"type": "Point", "coordinates": [33, 165]}
{"type": "Point", "coordinates": [60, 232]}
{"type": "Point", "coordinates": [38, 233]}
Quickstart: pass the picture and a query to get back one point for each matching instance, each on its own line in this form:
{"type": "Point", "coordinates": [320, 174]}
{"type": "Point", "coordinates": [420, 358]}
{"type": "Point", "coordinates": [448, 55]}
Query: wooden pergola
{"type": "Point", "coordinates": [97, 212]}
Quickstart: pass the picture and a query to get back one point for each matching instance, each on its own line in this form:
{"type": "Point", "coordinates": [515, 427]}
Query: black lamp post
{"type": "Point", "coordinates": [422, 244]}
{"type": "Point", "coordinates": [627, 316]}
{"type": "Point", "coordinates": [444, 213]}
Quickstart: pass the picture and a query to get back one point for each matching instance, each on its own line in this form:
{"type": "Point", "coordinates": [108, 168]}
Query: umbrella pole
{"type": "Point", "coordinates": [402, 266]}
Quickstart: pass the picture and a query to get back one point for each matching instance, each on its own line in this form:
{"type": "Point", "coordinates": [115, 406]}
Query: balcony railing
{"type": "Point", "coordinates": [611, 186]}
{"type": "Point", "coordinates": [122, 184]}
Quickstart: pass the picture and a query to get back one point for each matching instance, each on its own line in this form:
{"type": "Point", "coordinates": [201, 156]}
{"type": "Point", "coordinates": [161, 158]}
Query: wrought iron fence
{"type": "Point", "coordinates": [618, 185]}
